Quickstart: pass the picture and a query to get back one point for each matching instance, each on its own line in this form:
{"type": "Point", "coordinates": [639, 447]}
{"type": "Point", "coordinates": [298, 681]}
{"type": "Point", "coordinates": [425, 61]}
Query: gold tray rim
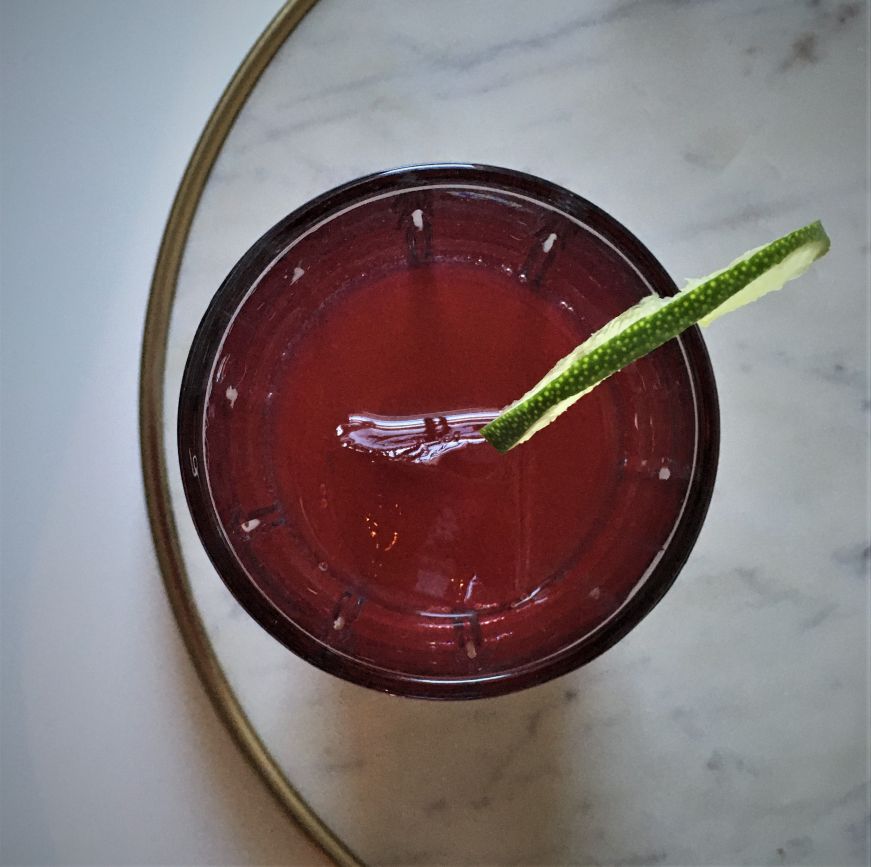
{"type": "Point", "coordinates": [152, 444]}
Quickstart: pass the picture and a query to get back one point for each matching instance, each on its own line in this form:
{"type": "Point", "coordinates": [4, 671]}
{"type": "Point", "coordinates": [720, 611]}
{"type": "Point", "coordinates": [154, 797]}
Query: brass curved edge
{"type": "Point", "coordinates": [152, 367]}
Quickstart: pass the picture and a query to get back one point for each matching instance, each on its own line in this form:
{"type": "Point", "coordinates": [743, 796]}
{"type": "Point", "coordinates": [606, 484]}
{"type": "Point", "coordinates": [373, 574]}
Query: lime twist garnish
{"type": "Point", "coordinates": [652, 322]}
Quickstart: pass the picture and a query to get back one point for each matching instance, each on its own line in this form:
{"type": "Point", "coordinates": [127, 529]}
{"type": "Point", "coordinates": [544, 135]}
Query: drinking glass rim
{"type": "Point", "coordinates": [242, 281]}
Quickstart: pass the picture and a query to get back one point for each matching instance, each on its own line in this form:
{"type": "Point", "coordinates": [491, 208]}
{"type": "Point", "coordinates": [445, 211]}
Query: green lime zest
{"type": "Point", "coordinates": [652, 322]}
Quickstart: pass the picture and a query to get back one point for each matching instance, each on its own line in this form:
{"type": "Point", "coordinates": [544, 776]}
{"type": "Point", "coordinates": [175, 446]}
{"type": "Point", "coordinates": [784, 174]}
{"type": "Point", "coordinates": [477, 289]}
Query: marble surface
{"type": "Point", "coordinates": [730, 726]}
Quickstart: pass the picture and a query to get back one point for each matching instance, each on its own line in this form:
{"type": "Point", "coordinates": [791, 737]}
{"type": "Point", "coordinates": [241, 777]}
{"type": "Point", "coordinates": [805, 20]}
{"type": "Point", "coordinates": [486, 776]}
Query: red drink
{"type": "Point", "coordinates": [329, 435]}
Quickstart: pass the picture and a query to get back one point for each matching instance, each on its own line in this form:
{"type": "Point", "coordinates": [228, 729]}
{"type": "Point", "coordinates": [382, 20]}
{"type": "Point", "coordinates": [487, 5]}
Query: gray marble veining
{"type": "Point", "coordinates": [729, 727]}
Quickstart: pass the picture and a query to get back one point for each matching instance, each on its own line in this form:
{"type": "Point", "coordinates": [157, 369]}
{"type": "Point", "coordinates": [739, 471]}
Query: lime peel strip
{"type": "Point", "coordinates": [652, 322]}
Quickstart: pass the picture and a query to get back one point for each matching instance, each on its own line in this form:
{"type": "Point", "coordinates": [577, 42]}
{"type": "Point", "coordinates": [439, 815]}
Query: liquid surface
{"type": "Point", "coordinates": [343, 454]}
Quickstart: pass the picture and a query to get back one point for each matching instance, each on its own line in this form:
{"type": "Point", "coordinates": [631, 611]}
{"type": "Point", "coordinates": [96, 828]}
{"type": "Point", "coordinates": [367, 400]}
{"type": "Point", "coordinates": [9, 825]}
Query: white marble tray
{"type": "Point", "coordinates": [729, 727]}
